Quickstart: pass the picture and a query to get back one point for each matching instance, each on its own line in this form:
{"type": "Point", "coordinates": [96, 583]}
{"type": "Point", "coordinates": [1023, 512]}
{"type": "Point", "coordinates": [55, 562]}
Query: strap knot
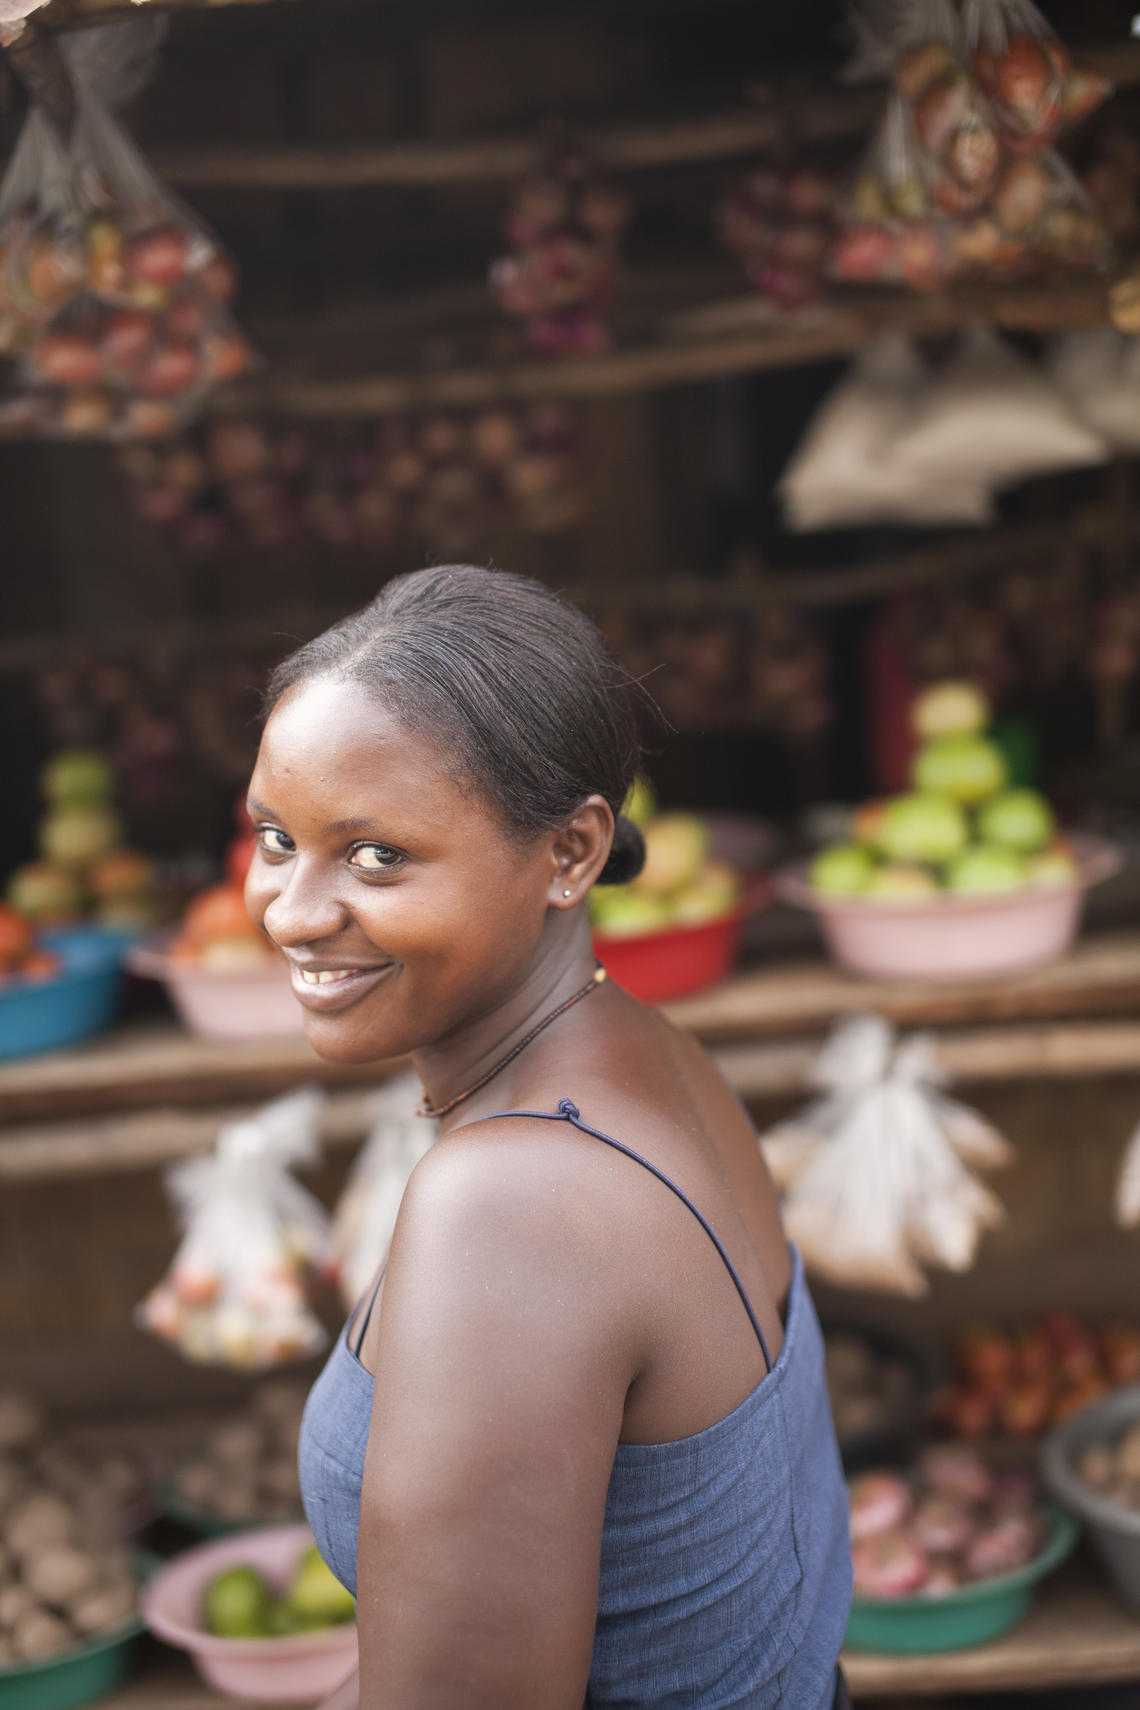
{"type": "Point", "coordinates": [567, 1108]}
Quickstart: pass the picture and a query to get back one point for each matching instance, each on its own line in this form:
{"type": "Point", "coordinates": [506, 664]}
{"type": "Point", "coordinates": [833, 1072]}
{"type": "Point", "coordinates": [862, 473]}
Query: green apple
{"type": "Point", "coordinates": [676, 848]}
{"type": "Point", "coordinates": [79, 836]}
{"type": "Point", "coordinates": [641, 803]}
{"type": "Point", "coordinates": [714, 893]}
{"type": "Point", "coordinates": [237, 1604]}
{"type": "Point", "coordinates": [845, 870]}
{"type": "Point", "coordinates": [47, 894]}
{"type": "Point", "coordinates": [76, 776]}
{"type": "Point", "coordinates": [317, 1595]}
{"type": "Point", "coordinates": [922, 827]}
{"type": "Point", "coordinates": [949, 709]}
{"type": "Point", "coordinates": [986, 868]}
{"type": "Point", "coordinates": [618, 911]}
{"type": "Point", "coordinates": [1021, 820]}
{"type": "Point", "coordinates": [898, 881]}
{"type": "Point", "coordinates": [1056, 865]}
{"type": "Point", "coordinates": [966, 768]}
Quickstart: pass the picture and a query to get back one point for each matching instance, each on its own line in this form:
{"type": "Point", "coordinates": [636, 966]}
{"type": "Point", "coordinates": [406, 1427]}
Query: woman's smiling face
{"type": "Point", "coordinates": [405, 907]}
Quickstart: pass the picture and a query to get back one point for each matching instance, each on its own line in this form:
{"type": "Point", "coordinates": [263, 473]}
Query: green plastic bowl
{"type": "Point", "coordinates": [79, 1675]}
{"type": "Point", "coordinates": [972, 1615]}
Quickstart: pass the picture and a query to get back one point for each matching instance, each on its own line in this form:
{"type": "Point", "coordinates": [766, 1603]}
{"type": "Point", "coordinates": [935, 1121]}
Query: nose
{"type": "Point", "coordinates": [303, 909]}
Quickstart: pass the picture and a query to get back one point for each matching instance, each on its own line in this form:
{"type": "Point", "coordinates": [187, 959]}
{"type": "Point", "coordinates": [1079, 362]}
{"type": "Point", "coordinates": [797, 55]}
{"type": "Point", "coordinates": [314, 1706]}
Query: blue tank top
{"type": "Point", "coordinates": [726, 1567]}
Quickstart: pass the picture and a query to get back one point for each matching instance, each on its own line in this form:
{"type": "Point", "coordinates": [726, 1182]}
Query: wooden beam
{"type": "Point", "coordinates": [74, 14]}
{"type": "Point", "coordinates": [820, 117]}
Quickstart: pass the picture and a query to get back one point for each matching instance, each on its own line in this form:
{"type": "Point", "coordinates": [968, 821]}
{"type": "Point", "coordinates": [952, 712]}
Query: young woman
{"type": "Point", "coordinates": [574, 1447]}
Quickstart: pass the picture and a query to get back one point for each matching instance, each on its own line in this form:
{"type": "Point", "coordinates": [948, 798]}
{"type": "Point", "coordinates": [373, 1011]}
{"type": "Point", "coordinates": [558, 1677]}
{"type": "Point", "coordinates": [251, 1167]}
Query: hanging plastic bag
{"type": "Point", "coordinates": [366, 1215]}
{"type": "Point", "coordinates": [844, 473]}
{"type": "Point", "coordinates": [1128, 1185]}
{"type": "Point", "coordinates": [1098, 371]}
{"type": "Point", "coordinates": [14, 14]}
{"type": "Point", "coordinates": [235, 1292]}
{"type": "Point", "coordinates": [1028, 76]}
{"type": "Point", "coordinates": [109, 287]}
{"type": "Point", "coordinates": [892, 231]}
{"type": "Point", "coordinates": [876, 1173]}
{"type": "Point", "coordinates": [992, 416]}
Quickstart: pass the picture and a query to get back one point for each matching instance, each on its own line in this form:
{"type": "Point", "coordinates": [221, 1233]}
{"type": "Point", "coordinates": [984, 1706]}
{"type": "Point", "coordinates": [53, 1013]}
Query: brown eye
{"type": "Point", "coordinates": [375, 857]}
{"type": "Point", "coordinates": [273, 841]}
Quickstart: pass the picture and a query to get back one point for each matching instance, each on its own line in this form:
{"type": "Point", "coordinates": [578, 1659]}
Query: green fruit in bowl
{"type": "Point", "coordinates": [79, 836]}
{"type": "Point", "coordinates": [949, 709]}
{"type": "Point", "coordinates": [676, 848]}
{"type": "Point", "coordinates": [1021, 820]}
{"type": "Point", "coordinates": [1056, 865]}
{"type": "Point", "coordinates": [45, 893]}
{"type": "Point", "coordinates": [641, 803]}
{"type": "Point", "coordinates": [986, 870]}
{"type": "Point", "coordinates": [899, 882]}
{"type": "Point", "coordinates": [237, 1604]}
{"type": "Point", "coordinates": [846, 870]}
{"type": "Point", "coordinates": [714, 893]}
{"type": "Point", "coordinates": [922, 827]}
{"type": "Point", "coordinates": [620, 912]}
{"type": "Point", "coordinates": [966, 768]}
{"type": "Point", "coordinates": [316, 1595]}
{"type": "Point", "coordinates": [76, 777]}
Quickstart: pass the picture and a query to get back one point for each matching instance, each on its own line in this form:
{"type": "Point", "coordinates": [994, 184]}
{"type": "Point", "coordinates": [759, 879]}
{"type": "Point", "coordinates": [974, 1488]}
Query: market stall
{"type": "Point", "coordinates": [811, 368]}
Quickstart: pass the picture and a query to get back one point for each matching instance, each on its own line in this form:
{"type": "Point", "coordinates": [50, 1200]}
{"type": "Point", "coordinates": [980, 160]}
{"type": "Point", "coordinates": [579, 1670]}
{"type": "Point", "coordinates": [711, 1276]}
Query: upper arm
{"type": "Point", "coordinates": [498, 1404]}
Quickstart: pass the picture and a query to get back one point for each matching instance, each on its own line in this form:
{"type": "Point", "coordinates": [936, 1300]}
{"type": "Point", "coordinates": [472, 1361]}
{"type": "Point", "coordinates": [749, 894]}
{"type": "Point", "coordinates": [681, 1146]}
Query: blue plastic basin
{"type": "Point", "coordinates": [40, 1015]}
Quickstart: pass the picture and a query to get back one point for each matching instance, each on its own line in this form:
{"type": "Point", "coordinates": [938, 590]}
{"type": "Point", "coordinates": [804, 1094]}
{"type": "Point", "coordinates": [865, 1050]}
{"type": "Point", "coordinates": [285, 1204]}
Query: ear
{"type": "Point", "coordinates": [579, 850]}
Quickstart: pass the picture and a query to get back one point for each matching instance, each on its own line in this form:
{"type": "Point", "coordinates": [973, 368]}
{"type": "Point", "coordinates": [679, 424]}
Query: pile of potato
{"type": "Point", "coordinates": [1112, 1470]}
{"type": "Point", "coordinates": [65, 1575]}
{"type": "Point", "coordinates": [247, 1469]}
{"type": "Point", "coordinates": [867, 1388]}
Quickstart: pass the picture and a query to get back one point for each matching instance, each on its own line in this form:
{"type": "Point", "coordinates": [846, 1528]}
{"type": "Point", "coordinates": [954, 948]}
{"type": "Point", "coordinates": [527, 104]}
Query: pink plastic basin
{"type": "Point", "coordinates": [247, 1004]}
{"type": "Point", "coordinates": [954, 937]}
{"type": "Point", "coordinates": [299, 1669]}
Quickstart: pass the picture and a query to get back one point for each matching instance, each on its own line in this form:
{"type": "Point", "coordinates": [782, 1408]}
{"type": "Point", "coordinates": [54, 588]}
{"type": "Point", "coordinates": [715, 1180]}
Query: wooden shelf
{"type": "Point", "coordinates": [146, 1096]}
{"type": "Point", "coordinates": [1076, 1635]}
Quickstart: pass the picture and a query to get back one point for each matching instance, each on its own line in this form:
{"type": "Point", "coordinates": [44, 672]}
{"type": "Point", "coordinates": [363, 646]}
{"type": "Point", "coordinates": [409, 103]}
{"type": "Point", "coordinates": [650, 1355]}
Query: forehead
{"type": "Point", "coordinates": [333, 750]}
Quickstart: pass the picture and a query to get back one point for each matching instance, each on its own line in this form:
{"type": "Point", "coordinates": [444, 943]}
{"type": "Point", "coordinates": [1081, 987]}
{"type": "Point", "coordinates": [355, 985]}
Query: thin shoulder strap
{"type": "Point", "coordinates": [372, 1299]}
{"type": "Point", "coordinates": [568, 1112]}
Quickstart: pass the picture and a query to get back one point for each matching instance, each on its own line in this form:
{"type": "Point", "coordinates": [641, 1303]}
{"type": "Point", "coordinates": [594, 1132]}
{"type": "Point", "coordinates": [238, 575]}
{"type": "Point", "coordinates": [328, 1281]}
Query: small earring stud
{"type": "Point", "coordinates": [568, 893]}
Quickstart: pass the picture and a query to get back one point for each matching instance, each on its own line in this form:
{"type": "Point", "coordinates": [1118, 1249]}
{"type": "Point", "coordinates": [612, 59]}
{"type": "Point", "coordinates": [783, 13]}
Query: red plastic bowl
{"type": "Point", "coordinates": [682, 959]}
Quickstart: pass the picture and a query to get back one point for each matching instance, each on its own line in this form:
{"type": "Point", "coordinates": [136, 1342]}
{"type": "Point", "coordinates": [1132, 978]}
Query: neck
{"type": "Point", "coordinates": [451, 1065]}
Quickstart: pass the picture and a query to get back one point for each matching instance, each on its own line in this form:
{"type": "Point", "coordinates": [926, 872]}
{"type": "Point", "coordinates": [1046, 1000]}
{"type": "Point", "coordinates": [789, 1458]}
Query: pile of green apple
{"type": "Point", "coordinates": [240, 1603]}
{"type": "Point", "coordinates": [961, 829]}
{"type": "Point", "coordinates": [679, 885]}
{"type": "Point", "coordinates": [83, 870]}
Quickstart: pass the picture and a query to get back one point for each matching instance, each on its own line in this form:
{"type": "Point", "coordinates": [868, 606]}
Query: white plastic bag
{"type": "Point", "coordinates": [235, 1292]}
{"type": "Point", "coordinates": [875, 1174]}
{"type": "Point", "coordinates": [1098, 371]}
{"type": "Point", "coordinates": [845, 470]}
{"type": "Point", "coordinates": [366, 1215]}
{"type": "Point", "coordinates": [1128, 1185]}
{"type": "Point", "coordinates": [992, 417]}
{"type": "Point", "coordinates": [1033, 86]}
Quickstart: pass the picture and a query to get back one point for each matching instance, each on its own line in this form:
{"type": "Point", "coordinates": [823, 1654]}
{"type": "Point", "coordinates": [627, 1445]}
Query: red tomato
{"type": "Point", "coordinates": [864, 254]}
{"type": "Point", "coordinates": [238, 857]}
{"type": "Point", "coordinates": [226, 356]}
{"type": "Point", "coordinates": [186, 316]}
{"type": "Point", "coordinates": [217, 913]}
{"type": "Point", "coordinates": [126, 341]}
{"type": "Point", "coordinates": [1027, 83]}
{"type": "Point", "coordinates": [171, 368]}
{"type": "Point", "coordinates": [66, 359]}
{"type": "Point", "coordinates": [15, 936]}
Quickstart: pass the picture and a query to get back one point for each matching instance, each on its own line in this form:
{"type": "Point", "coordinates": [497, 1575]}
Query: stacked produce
{"type": "Point", "coordinates": [960, 830]}
{"type": "Point", "coordinates": [241, 1604]}
{"type": "Point", "coordinates": [439, 483]}
{"type": "Point", "coordinates": [21, 957]}
{"type": "Point", "coordinates": [679, 885]}
{"type": "Point", "coordinates": [112, 297]}
{"type": "Point", "coordinates": [953, 1522]}
{"type": "Point", "coordinates": [235, 1293]}
{"type": "Point", "coordinates": [961, 177]}
{"type": "Point", "coordinates": [868, 1388]}
{"type": "Point", "coordinates": [781, 226]}
{"type": "Point", "coordinates": [1020, 1383]}
{"type": "Point", "coordinates": [564, 228]}
{"type": "Point", "coordinates": [246, 1469]}
{"type": "Point", "coordinates": [216, 932]}
{"type": "Point", "coordinates": [65, 1577]}
{"type": "Point", "coordinates": [84, 872]}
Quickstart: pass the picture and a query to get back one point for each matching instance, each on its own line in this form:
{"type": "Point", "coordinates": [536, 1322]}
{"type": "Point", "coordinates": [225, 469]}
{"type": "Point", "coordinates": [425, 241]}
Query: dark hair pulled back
{"type": "Point", "coordinates": [520, 683]}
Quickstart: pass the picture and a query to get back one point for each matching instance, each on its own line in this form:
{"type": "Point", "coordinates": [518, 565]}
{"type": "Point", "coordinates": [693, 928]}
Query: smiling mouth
{"type": "Point", "coordinates": [335, 988]}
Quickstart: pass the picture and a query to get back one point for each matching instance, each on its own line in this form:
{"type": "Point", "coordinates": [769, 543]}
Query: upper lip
{"type": "Point", "coordinates": [327, 965]}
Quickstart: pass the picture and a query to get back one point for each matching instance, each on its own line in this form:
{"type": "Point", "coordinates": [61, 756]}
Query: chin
{"type": "Point", "coordinates": [336, 1040]}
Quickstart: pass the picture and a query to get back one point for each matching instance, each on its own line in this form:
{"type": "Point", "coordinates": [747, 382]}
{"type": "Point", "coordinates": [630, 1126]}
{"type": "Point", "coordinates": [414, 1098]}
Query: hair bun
{"type": "Point", "coordinates": [627, 854]}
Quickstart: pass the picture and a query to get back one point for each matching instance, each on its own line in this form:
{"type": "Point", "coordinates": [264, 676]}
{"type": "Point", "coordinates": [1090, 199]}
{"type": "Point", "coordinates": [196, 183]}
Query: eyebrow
{"type": "Point", "coordinates": [338, 827]}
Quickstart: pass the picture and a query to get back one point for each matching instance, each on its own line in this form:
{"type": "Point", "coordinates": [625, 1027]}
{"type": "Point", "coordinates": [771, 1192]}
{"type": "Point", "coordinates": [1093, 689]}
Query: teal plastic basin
{"type": "Point", "coordinates": [77, 1676]}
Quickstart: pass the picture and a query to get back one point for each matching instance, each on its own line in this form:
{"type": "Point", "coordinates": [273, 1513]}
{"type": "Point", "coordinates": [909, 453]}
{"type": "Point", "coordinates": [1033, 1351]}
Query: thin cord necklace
{"type": "Point", "coordinates": [437, 1110]}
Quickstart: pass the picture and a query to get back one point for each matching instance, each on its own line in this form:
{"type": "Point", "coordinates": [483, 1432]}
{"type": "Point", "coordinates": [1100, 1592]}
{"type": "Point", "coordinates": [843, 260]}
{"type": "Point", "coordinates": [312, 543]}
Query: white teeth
{"type": "Point", "coordinates": [324, 978]}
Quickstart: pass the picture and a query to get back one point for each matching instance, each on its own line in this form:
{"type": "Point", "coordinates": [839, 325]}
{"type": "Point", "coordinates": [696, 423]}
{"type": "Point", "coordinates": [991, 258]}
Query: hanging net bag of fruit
{"type": "Point", "coordinates": [235, 1294]}
{"type": "Point", "coordinates": [112, 295]}
{"type": "Point", "coordinates": [1033, 87]}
